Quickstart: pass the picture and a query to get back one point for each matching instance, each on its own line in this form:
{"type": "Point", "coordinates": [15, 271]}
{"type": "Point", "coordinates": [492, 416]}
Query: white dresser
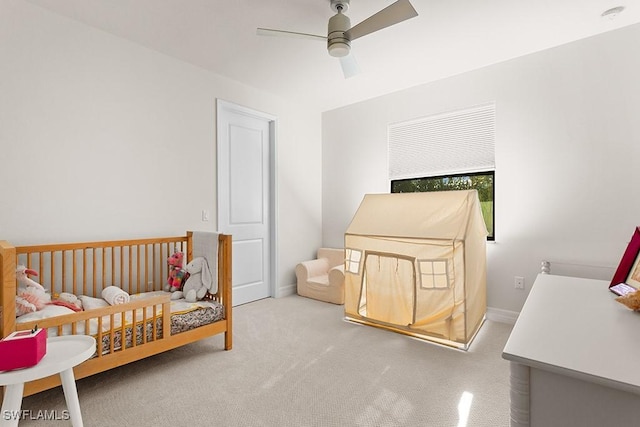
{"type": "Point", "coordinates": [575, 357]}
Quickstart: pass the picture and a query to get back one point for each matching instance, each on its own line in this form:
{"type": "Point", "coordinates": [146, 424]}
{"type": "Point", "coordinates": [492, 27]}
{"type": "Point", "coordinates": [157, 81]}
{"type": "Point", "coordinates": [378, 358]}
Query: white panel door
{"type": "Point", "coordinates": [244, 142]}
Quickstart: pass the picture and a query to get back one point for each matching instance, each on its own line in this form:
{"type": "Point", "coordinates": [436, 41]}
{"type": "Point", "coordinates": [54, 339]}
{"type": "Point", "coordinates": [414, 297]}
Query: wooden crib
{"type": "Point", "coordinates": [125, 332]}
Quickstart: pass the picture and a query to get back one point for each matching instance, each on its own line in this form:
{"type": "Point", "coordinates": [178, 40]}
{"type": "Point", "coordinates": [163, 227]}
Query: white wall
{"type": "Point", "coordinates": [104, 139]}
{"type": "Point", "coordinates": [568, 142]}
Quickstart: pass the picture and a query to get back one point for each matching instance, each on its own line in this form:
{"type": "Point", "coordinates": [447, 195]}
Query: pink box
{"type": "Point", "coordinates": [22, 349]}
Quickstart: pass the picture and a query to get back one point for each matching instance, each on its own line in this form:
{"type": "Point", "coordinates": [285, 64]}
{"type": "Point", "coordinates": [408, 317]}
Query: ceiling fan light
{"type": "Point", "coordinates": [339, 49]}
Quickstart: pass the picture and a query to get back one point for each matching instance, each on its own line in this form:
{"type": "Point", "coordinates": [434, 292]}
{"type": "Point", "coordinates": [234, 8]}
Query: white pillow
{"type": "Point", "coordinates": [47, 311]}
{"type": "Point", "coordinates": [89, 303]}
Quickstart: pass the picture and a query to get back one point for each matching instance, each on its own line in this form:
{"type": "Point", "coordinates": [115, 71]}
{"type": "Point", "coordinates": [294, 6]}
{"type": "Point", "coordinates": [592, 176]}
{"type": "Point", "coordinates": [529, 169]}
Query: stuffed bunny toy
{"type": "Point", "coordinates": [200, 280]}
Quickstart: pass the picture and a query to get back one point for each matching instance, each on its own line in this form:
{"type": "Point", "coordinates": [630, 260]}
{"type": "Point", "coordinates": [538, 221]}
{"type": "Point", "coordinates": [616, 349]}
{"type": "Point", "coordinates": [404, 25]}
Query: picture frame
{"type": "Point", "coordinates": [628, 271]}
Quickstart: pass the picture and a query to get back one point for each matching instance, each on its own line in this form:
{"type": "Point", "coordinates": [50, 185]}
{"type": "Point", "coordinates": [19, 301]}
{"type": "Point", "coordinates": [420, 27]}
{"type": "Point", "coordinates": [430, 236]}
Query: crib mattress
{"type": "Point", "coordinates": [179, 323]}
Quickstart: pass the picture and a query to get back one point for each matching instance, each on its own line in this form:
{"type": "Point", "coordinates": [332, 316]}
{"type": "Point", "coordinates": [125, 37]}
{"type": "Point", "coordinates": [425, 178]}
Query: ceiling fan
{"type": "Point", "coordinates": [340, 33]}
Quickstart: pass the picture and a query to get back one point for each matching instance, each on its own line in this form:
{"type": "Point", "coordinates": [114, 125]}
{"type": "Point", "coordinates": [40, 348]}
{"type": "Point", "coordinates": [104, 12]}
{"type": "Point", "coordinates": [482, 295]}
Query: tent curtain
{"type": "Point", "coordinates": [388, 290]}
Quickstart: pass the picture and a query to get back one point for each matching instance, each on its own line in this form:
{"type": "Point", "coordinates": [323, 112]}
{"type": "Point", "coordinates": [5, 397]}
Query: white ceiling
{"type": "Point", "coordinates": [448, 37]}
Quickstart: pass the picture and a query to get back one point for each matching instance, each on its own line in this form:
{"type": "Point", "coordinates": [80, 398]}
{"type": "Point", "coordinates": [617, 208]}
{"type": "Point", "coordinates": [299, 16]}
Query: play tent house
{"type": "Point", "coordinates": [416, 264]}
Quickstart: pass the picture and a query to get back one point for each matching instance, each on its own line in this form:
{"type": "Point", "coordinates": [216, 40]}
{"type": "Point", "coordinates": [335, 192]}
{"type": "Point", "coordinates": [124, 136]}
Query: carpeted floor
{"type": "Point", "coordinates": [296, 362]}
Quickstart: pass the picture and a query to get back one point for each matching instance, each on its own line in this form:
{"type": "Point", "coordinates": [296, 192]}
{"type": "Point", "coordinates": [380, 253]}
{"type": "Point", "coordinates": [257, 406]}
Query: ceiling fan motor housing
{"type": "Point", "coordinates": [340, 5]}
{"type": "Point", "coordinates": [338, 42]}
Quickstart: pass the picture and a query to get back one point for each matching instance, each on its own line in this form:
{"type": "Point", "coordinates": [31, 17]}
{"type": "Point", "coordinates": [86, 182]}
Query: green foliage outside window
{"type": "Point", "coordinates": [483, 182]}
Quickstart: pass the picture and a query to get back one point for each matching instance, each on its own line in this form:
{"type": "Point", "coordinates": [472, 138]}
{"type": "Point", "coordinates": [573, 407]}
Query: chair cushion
{"type": "Point", "coordinates": [319, 280]}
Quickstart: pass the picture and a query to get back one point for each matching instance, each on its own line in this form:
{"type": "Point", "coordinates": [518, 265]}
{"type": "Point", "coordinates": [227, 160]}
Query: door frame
{"type": "Point", "coordinates": [273, 190]}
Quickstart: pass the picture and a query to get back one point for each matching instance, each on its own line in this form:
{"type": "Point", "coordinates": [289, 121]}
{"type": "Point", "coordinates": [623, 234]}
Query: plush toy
{"type": "Point", "coordinates": [68, 300]}
{"type": "Point", "coordinates": [23, 306]}
{"type": "Point", "coordinates": [631, 300]}
{"type": "Point", "coordinates": [22, 276]}
{"type": "Point", "coordinates": [31, 296]}
{"type": "Point", "coordinates": [177, 274]}
{"type": "Point", "coordinates": [199, 282]}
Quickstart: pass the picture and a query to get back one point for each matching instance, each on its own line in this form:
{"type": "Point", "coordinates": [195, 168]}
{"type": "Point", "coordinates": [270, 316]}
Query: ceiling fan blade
{"type": "Point", "coordinates": [349, 65]}
{"type": "Point", "coordinates": [276, 33]}
{"type": "Point", "coordinates": [396, 12]}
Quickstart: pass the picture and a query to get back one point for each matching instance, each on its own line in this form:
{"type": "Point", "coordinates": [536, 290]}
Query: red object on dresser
{"type": "Point", "coordinates": [22, 349]}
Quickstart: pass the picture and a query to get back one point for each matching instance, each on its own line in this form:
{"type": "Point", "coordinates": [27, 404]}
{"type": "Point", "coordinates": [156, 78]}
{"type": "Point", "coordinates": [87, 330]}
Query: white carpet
{"type": "Point", "coordinates": [295, 362]}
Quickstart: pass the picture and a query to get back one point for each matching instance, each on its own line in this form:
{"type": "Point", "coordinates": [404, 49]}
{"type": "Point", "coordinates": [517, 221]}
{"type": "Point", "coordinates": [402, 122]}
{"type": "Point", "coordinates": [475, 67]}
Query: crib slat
{"type": "Point", "coordinates": [144, 325]}
{"type": "Point", "coordinates": [113, 263]}
{"type": "Point", "coordinates": [154, 327]}
{"type": "Point", "coordinates": [93, 271]}
{"type": "Point", "coordinates": [75, 273]}
{"type": "Point", "coordinates": [164, 249]}
{"type": "Point", "coordinates": [64, 271]}
{"type": "Point", "coordinates": [103, 262]}
{"type": "Point", "coordinates": [84, 271]}
{"type": "Point", "coordinates": [139, 263]}
{"type": "Point", "coordinates": [123, 333]}
{"type": "Point", "coordinates": [121, 263]}
{"type": "Point", "coordinates": [52, 272]}
{"type": "Point", "coordinates": [99, 337]}
{"type": "Point", "coordinates": [129, 256]}
{"type": "Point", "coordinates": [111, 334]}
{"type": "Point", "coordinates": [134, 329]}
{"type": "Point", "coordinates": [166, 319]}
{"type": "Point", "coordinates": [40, 263]}
{"type": "Point", "coordinates": [157, 284]}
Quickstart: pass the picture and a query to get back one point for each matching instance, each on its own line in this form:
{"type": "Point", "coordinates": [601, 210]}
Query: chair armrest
{"type": "Point", "coordinates": [336, 275]}
{"type": "Point", "coordinates": [312, 268]}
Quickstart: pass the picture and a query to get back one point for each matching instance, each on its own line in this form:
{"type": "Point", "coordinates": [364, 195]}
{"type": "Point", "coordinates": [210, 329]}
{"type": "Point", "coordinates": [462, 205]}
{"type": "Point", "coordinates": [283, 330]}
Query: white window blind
{"type": "Point", "coordinates": [445, 144]}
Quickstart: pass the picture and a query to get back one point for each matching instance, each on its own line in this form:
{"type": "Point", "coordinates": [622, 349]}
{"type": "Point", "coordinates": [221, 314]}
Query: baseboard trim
{"type": "Point", "coordinates": [503, 316]}
{"type": "Point", "coordinates": [285, 291]}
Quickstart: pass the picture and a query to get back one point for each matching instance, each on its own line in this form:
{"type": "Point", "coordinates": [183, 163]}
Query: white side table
{"type": "Point", "coordinates": [63, 353]}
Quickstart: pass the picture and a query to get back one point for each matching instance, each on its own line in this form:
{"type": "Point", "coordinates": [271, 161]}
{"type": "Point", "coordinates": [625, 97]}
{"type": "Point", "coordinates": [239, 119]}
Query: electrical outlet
{"type": "Point", "coordinates": [519, 282]}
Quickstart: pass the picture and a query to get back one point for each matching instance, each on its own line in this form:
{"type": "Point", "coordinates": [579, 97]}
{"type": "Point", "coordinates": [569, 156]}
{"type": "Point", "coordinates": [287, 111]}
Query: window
{"type": "Point", "coordinates": [447, 151]}
{"type": "Point", "coordinates": [353, 260]}
{"type": "Point", "coordinates": [434, 274]}
{"type": "Point", "coordinates": [481, 181]}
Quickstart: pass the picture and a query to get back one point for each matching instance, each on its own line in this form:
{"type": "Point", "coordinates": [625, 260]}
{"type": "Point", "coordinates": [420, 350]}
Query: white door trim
{"type": "Point", "coordinates": [273, 188]}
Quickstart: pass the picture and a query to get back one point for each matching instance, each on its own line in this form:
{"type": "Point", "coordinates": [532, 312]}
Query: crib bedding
{"type": "Point", "coordinates": [184, 316]}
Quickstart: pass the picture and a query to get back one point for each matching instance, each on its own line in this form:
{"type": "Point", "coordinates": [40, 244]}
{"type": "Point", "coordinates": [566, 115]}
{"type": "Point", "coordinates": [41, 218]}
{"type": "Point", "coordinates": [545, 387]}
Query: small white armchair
{"type": "Point", "coordinates": [323, 278]}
